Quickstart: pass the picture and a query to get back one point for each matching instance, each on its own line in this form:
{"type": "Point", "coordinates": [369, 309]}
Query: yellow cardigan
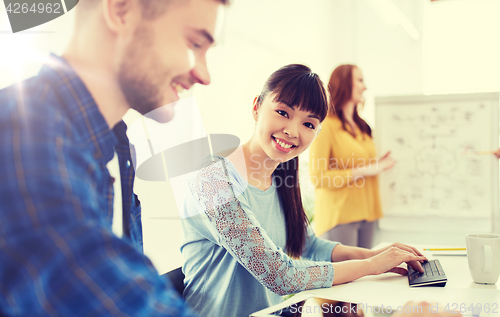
{"type": "Point", "coordinates": [340, 200]}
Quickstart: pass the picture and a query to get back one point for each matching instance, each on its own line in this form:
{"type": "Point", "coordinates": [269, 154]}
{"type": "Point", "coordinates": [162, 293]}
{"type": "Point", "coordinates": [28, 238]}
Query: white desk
{"type": "Point", "coordinates": [392, 290]}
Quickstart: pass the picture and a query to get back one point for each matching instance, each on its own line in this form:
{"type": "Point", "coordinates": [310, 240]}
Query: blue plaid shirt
{"type": "Point", "coordinates": [58, 256]}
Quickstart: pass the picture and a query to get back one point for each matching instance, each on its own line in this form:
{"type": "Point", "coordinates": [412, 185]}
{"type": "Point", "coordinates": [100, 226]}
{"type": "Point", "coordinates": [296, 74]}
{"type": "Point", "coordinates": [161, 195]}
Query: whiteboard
{"type": "Point", "coordinates": [441, 172]}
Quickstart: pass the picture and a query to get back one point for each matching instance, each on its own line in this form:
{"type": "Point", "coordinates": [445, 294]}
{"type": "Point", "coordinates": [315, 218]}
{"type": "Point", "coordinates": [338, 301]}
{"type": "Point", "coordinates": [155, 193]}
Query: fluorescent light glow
{"type": "Point", "coordinates": [461, 47]}
{"type": "Point", "coordinates": [391, 15]}
{"type": "Point", "coordinates": [18, 54]}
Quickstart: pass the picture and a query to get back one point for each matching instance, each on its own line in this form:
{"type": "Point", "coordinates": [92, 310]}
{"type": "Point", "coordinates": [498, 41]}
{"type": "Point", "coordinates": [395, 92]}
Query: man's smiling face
{"type": "Point", "coordinates": [168, 55]}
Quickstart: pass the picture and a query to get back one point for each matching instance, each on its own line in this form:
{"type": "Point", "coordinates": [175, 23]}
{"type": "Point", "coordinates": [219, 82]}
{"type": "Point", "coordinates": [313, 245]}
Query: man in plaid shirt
{"type": "Point", "coordinates": [59, 130]}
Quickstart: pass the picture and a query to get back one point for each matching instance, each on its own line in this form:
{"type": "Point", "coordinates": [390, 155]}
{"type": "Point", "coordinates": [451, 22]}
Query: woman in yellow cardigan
{"type": "Point", "coordinates": [344, 166]}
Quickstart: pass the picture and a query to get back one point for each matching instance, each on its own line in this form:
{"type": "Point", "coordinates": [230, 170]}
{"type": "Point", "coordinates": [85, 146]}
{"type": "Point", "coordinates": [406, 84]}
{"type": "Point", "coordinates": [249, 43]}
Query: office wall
{"type": "Point", "coordinates": [462, 47]}
{"type": "Point", "coordinates": [391, 61]}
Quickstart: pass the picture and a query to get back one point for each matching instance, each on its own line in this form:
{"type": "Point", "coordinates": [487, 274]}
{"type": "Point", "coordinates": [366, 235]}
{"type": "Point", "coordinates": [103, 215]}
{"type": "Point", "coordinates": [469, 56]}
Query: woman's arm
{"type": "Point", "coordinates": [357, 262]}
{"type": "Point", "coordinates": [317, 249]}
{"type": "Point", "coordinates": [384, 163]}
{"type": "Point", "coordinates": [326, 171]}
{"type": "Point", "coordinates": [226, 219]}
{"type": "Point", "coordinates": [346, 253]}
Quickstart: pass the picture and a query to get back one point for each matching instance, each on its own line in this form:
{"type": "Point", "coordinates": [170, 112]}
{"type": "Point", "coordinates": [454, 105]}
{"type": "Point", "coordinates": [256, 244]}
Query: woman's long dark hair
{"type": "Point", "coordinates": [297, 86]}
{"type": "Point", "coordinates": [340, 88]}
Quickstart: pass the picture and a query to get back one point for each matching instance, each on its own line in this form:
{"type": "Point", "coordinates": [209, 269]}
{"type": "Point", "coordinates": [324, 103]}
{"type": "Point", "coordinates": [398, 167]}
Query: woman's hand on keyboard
{"type": "Point", "coordinates": [389, 260]}
{"type": "Point", "coordinates": [401, 246]}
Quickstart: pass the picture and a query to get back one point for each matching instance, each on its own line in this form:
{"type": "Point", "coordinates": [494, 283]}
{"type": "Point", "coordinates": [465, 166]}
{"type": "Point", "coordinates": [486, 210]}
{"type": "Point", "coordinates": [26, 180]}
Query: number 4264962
{"type": "Point", "coordinates": [34, 8]}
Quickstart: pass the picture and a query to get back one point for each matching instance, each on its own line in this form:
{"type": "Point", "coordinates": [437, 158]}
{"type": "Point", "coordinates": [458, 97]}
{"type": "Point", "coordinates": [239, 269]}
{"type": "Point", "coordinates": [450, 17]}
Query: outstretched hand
{"type": "Point", "coordinates": [386, 162]}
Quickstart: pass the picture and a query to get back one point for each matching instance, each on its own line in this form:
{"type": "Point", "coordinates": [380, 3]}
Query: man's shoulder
{"type": "Point", "coordinates": [33, 107]}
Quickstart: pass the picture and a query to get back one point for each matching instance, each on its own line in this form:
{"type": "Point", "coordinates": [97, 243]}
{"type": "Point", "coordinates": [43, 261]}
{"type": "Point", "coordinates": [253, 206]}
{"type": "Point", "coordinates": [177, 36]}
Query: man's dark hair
{"type": "Point", "coordinates": [151, 9]}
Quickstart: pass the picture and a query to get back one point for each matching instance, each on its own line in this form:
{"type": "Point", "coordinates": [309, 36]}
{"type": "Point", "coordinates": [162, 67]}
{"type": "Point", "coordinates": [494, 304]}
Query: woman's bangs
{"type": "Point", "coordinates": [305, 92]}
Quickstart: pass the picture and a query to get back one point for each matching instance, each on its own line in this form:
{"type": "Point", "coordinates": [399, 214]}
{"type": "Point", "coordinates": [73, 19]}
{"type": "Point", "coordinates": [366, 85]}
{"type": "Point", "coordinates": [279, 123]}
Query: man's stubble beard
{"type": "Point", "coordinates": [138, 77]}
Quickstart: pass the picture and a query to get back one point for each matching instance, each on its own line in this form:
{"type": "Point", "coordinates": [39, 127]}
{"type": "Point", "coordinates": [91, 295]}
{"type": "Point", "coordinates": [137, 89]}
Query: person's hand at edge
{"type": "Point", "coordinates": [497, 153]}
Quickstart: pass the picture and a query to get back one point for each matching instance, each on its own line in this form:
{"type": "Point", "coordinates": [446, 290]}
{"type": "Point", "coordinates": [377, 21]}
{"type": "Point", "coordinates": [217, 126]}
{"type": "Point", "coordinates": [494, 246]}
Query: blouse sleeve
{"type": "Point", "coordinates": [229, 222]}
{"type": "Point", "coordinates": [317, 249]}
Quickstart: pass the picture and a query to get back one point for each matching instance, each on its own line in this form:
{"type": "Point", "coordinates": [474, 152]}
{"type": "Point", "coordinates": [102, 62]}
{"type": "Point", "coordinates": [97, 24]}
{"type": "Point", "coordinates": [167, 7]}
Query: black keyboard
{"type": "Point", "coordinates": [433, 275]}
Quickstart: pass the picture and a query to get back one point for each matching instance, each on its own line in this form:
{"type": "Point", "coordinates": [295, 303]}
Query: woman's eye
{"type": "Point", "coordinates": [309, 125]}
{"type": "Point", "coordinates": [282, 113]}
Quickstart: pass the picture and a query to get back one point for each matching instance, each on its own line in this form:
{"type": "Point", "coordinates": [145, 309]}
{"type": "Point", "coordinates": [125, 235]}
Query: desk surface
{"type": "Point", "coordinates": [390, 289]}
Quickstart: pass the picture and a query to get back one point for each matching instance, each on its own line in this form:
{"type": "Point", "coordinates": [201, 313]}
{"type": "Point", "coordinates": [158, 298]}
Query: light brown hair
{"type": "Point", "coordinates": [340, 88]}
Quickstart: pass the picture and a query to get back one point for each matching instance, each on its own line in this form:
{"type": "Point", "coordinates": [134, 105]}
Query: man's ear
{"type": "Point", "coordinates": [121, 15]}
{"type": "Point", "coordinates": [256, 107]}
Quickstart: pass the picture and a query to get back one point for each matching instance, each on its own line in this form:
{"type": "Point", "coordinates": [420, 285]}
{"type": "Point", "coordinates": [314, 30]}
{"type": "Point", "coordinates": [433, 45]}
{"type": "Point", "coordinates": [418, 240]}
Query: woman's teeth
{"type": "Point", "coordinates": [283, 144]}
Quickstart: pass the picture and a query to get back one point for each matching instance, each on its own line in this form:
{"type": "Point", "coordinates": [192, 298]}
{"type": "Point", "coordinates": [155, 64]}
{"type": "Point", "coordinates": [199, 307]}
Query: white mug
{"type": "Point", "coordinates": [483, 253]}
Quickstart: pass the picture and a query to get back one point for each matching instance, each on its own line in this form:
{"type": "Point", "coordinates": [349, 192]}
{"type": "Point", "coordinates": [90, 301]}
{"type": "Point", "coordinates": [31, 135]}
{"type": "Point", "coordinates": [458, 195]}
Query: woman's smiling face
{"type": "Point", "coordinates": [283, 131]}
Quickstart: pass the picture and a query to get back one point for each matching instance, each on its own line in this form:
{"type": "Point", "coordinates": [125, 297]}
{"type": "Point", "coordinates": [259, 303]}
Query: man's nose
{"type": "Point", "coordinates": [200, 73]}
